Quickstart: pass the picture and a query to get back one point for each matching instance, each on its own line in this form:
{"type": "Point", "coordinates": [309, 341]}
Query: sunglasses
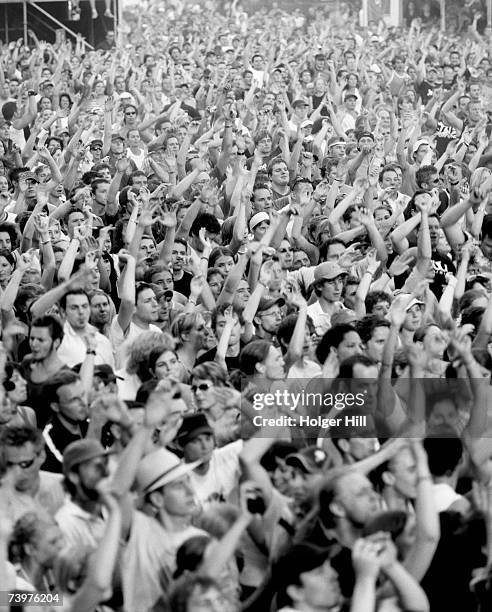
{"type": "Point", "coordinates": [129, 114]}
{"type": "Point", "coordinates": [96, 148]}
{"type": "Point", "coordinates": [201, 387]}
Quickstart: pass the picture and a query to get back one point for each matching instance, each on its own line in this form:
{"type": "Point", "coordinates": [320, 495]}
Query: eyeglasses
{"type": "Point", "coordinates": [96, 148]}
{"type": "Point", "coordinates": [201, 387]}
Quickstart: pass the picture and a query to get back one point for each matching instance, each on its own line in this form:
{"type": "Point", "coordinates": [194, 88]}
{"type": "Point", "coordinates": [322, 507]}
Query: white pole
{"type": "Point", "coordinates": [443, 15]}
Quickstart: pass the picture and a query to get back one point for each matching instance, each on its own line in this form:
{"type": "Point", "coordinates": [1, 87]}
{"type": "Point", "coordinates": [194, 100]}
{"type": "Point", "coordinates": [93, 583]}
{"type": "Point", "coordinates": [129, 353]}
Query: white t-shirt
{"type": "Point", "coordinates": [121, 342]}
{"type": "Point", "coordinates": [222, 477]}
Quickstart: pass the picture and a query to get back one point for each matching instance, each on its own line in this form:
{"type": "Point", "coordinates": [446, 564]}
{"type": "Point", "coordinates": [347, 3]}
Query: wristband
{"type": "Point", "coordinates": [46, 242]}
{"type": "Point", "coordinates": [90, 352]}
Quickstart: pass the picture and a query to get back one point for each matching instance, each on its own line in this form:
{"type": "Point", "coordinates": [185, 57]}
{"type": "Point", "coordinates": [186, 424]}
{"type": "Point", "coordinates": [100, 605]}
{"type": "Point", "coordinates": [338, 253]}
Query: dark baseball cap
{"type": "Point", "coordinates": [266, 303]}
{"type": "Point", "coordinates": [193, 425]}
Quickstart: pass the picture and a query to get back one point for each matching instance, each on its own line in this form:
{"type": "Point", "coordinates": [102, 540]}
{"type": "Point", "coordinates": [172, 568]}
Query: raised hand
{"type": "Point", "coordinates": [205, 242]}
{"type": "Point", "coordinates": [400, 264]}
{"type": "Point", "coordinates": [365, 559]}
{"type": "Point", "coordinates": [41, 223]}
{"type": "Point", "coordinates": [398, 309]}
{"type": "Point", "coordinates": [122, 165]}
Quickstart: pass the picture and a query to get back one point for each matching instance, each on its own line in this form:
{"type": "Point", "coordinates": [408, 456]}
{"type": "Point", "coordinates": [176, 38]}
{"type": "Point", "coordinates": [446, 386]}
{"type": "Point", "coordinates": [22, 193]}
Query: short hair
{"type": "Point", "coordinates": [423, 175]}
{"type": "Point", "coordinates": [211, 370]}
{"type": "Point", "coordinates": [443, 454]}
{"type": "Point", "coordinates": [184, 588]}
{"type": "Point", "coordinates": [253, 353]}
{"type": "Point", "coordinates": [26, 293]}
{"type": "Point", "coordinates": [347, 366]}
{"type": "Point", "coordinates": [61, 379]}
{"type": "Point", "coordinates": [221, 308]}
{"type": "Point", "coordinates": [63, 299]}
{"type": "Point", "coordinates": [387, 168]}
{"type": "Point", "coordinates": [18, 436]}
{"type": "Point", "coordinates": [332, 338]}
{"type": "Point", "coordinates": [142, 287]}
{"type": "Point", "coordinates": [8, 256]}
{"type": "Point", "coordinates": [134, 175]}
{"type": "Point", "coordinates": [97, 182]}
{"type": "Point", "coordinates": [206, 220]}
{"type": "Point", "coordinates": [273, 162]}
{"type": "Point", "coordinates": [52, 323]}
{"type": "Point", "coordinates": [365, 327]}
{"type": "Point", "coordinates": [373, 297]}
{"type": "Point", "coordinates": [468, 298]}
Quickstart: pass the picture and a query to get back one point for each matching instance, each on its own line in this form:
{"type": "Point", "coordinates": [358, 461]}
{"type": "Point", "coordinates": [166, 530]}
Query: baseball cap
{"type": "Point", "coordinates": [310, 460]}
{"type": "Point", "coordinates": [82, 450]}
{"type": "Point", "coordinates": [349, 95]}
{"type": "Point", "coordinates": [192, 426]}
{"type": "Point", "coordinates": [365, 134]}
{"type": "Point", "coordinates": [116, 137]}
{"type": "Point", "coordinates": [105, 371]}
{"type": "Point", "coordinates": [257, 219]}
{"type": "Point", "coordinates": [299, 102]}
{"type": "Point", "coordinates": [343, 317]}
{"type": "Point", "coordinates": [95, 143]}
{"type": "Point", "coordinates": [328, 271]}
{"type": "Point", "coordinates": [266, 303]}
{"type": "Point", "coordinates": [160, 468]}
{"type": "Point", "coordinates": [413, 302]}
{"type": "Point", "coordinates": [28, 175]}
{"type": "Point", "coordinates": [300, 559]}
{"type": "Point", "coordinates": [419, 144]}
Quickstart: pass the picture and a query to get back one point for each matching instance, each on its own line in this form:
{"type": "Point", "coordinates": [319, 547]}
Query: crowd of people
{"type": "Point", "coordinates": [246, 309]}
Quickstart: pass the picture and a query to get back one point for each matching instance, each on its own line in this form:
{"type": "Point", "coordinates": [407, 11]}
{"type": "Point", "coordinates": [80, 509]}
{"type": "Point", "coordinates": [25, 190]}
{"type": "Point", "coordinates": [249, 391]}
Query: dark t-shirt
{"type": "Point", "coordinates": [441, 265]}
{"type": "Point", "coordinates": [59, 438]}
{"type": "Point", "coordinates": [232, 363]}
{"type": "Point", "coordinates": [183, 284]}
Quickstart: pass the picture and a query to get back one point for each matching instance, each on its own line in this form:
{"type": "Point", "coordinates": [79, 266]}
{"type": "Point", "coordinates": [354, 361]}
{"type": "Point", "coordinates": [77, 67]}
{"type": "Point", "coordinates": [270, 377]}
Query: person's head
{"type": "Point", "coordinates": [146, 306]}
{"type": "Point", "coordinates": [242, 295]}
{"type": "Point", "coordinates": [306, 580]}
{"type": "Point", "coordinates": [413, 318]}
{"type": "Point", "coordinates": [223, 259]}
{"type": "Point", "coordinates": [74, 218]}
{"type": "Point", "coordinates": [378, 303]}
{"type": "Point", "coordinates": [486, 243]}
{"type": "Point", "coordinates": [359, 374]}
{"type": "Point", "coordinates": [45, 336]}
{"type": "Point", "coordinates": [67, 396]}
{"type": "Point", "coordinates": [444, 454]}
{"type": "Point", "coordinates": [99, 189]}
{"type": "Point", "coordinates": [388, 178]}
{"type": "Point", "coordinates": [102, 308]}
{"type": "Point", "coordinates": [75, 307]}
{"type": "Point", "coordinates": [130, 114]}
{"type": "Point", "coordinates": [268, 316]}
{"type": "Point", "coordinates": [212, 230]}
{"type": "Point", "coordinates": [259, 358]}
{"type": "Point", "coordinates": [331, 250]}
{"type": "Point", "coordinates": [278, 172]}
{"type": "Point", "coordinates": [85, 464]}
{"type": "Point", "coordinates": [432, 340]}
{"type": "Point", "coordinates": [197, 593]}
{"type": "Point", "coordinates": [8, 237]}
{"type": "Point", "coordinates": [190, 330]}
{"type": "Point", "coordinates": [35, 539]}
{"type": "Point", "coordinates": [262, 198]}
{"type": "Point", "coordinates": [7, 265]}
{"type": "Point", "coordinates": [285, 332]}
{"type": "Point", "coordinates": [219, 320]}
{"type": "Point", "coordinates": [179, 253]}
{"type": "Point", "coordinates": [348, 499]}
{"type": "Point", "coordinates": [343, 339]}
{"type": "Point", "coordinates": [442, 411]}
{"type": "Point", "coordinates": [196, 438]}
{"type": "Point", "coordinates": [329, 281]}
{"type": "Point", "coordinates": [23, 449]}
{"type": "Point", "coordinates": [401, 474]}
{"type": "Point", "coordinates": [427, 178]}
{"type": "Point", "coordinates": [285, 254]}
{"type": "Point", "coordinates": [373, 332]}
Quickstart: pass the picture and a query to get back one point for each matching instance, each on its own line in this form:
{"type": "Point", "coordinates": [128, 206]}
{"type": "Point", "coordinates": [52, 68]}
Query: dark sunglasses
{"type": "Point", "coordinates": [201, 387]}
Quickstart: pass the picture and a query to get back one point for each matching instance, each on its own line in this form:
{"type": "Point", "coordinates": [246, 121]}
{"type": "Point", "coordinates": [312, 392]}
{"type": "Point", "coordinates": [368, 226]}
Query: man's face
{"type": "Point", "coordinates": [236, 330]}
{"type": "Point", "coordinates": [75, 219]}
{"type": "Point", "coordinates": [147, 248]}
{"type": "Point", "coordinates": [375, 346]}
{"type": "Point", "coordinates": [72, 402]}
{"type": "Point", "coordinates": [5, 242]}
{"type": "Point", "coordinates": [350, 102]}
{"type": "Point", "coordinates": [101, 194]}
{"type": "Point", "coordinates": [90, 475]}
{"type": "Point", "coordinates": [265, 146]}
{"type": "Point", "coordinates": [258, 62]}
{"type": "Point", "coordinates": [381, 309]}
{"type": "Point", "coordinates": [147, 307]}
{"type": "Point", "coordinates": [40, 343]}
{"type": "Point", "coordinates": [404, 469]}
{"type": "Point", "coordinates": [389, 180]}
{"type": "Point", "coordinates": [274, 364]}
{"type": "Point", "coordinates": [28, 459]}
{"type": "Point", "coordinates": [331, 290]}
{"type": "Point", "coordinates": [434, 231]}
{"type": "Point", "coordinates": [163, 279]}
{"type": "Point", "coordinates": [178, 256]}
{"type": "Point", "coordinates": [263, 200]}
{"type": "Point", "coordinates": [301, 111]}
{"type": "Point", "coordinates": [300, 260]}
{"type": "Point", "coordinates": [134, 138]}
{"type": "Point", "coordinates": [335, 251]}
{"type": "Point", "coordinates": [366, 143]}
{"type": "Point", "coordinates": [270, 318]}
{"type": "Point", "coordinates": [357, 498]}
{"type": "Point", "coordinates": [179, 497]}
{"type": "Point", "coordinates": [200, 448]}
{"type": "Point", "coordinates": [5, 131]}
{"type": "Point", "coordinates": [338, 150]}
{"type": "Point", "coordinates": [139, 181]}
{"type": "Point", "coordinates": [475, 91]}
{"type": "Point", "coordinates": [280, 174]}
{"type": "Point", "coordinates": [320, 589]}
{"type": "Point", "coordinates": [77, 311]}
{"type": "Point", "coordinates": [117, 146]}
{"type": "Point", "coordinates": [413, 318]}
{"type": "Point", "coordinates": [100, 310]}
{"type": "Point", "coordinates": [242, 294]}
{"type": "Point", "coordinates": [365, 381]}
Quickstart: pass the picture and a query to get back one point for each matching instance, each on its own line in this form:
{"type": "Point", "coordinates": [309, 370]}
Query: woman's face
{"type": "Point", "coordinates": [203, 390]}
{"type": "Point", "coordinates": [224, 263]}
{"type": "Point", "coordinates": [49, 544]}
{"type": "Point", "coordinates": [64, 102]}
{"type": "Point", "coordinates": [4, 184]}
{"type": "Point", "coordinates": [285, 255]}
{"type": "Point", "coordinates": [18, 395]}
{"type": "Point", "coordinates": [352, 81]}
{"type": "Point", "coordinates": [443, 414]}
{"type": "Point", "coordinates": [434, 342]}
{"type": "Point", "coordinates": [413, 318]}
{"type": "Point", "coordinates": [5, 270]}
{"type": "Point", "coordinates": [167, 366]}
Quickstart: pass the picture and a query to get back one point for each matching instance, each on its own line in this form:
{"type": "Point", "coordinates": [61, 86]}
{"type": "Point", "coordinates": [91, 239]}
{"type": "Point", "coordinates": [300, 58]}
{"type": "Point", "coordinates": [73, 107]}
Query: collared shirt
{"type": "Point", "coordinates": [321, 319]}
{"type": "Point", "coordinates": [121, 340]}
{"type": "Point", "coordinates": [80, 528]}
{"type": "Point", "coordinates": [73, 348]}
